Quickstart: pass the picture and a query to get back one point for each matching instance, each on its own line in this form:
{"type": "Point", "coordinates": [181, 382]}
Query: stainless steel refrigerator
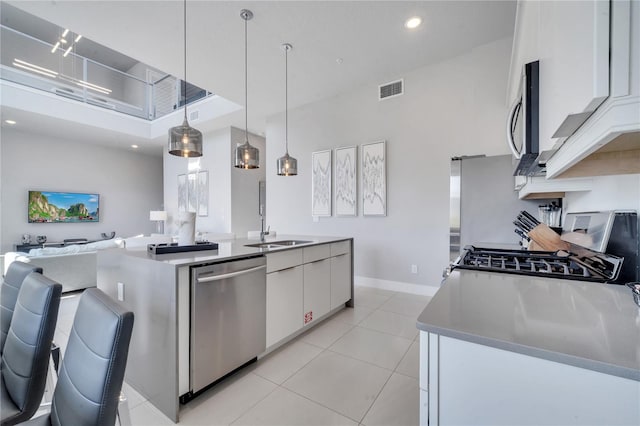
{"type": "Point", "coordinates": [484, 203]}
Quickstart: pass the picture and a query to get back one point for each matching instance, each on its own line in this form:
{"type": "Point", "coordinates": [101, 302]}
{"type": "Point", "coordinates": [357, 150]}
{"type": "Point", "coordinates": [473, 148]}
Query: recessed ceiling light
{"type": "Point", "coordinates": [413, 22]}
{"type": "Point", "coordinates": [134, 146]}
{"type": "Point", "coordinates": [10, 122]}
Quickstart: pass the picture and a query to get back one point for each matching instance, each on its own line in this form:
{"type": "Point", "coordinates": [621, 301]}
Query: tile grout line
{"type": "Point", "coordinates": [257, 402]}
{"type": "Point", "coordinates": [295, 372]}
{"type": "Point", "coordinates": [376, 398]}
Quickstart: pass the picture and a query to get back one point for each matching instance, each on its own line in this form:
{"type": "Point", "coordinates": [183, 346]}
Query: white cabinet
{"type": "Point", "coordinates": [500, 387]}
{"type": "Point", "coordinates": [609, 139]}
{"type": "Point", "coordinates": [574, 65]}
{"type": "Point", "coordinates": [304, 285]}
{"type": "Point", "coordinates": [341, 274]}
{"type": "Point", "coordinates": [571, 41]}
{"type": "Point", "coordinates": [284, 303]}
{"type": "Point", "coordinates": [589, 53]}
{"type": "Point", "coordinates": [317, 290]}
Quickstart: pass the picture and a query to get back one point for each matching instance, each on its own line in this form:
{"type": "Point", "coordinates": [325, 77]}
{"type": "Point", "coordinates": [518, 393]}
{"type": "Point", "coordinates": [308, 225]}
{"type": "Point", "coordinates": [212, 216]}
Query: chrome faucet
{"type": "Point", "coordinates": [263, 233]}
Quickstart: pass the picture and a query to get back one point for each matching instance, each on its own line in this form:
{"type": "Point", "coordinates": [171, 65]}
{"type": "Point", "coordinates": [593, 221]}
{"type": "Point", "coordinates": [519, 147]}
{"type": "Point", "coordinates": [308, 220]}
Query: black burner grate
{"type": "Point", "coordinates": [537, 263]}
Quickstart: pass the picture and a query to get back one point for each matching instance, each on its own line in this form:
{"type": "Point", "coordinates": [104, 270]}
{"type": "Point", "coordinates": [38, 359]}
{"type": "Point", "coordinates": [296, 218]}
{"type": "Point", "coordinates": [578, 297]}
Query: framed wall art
{"type": "Point", "coordinates": [192, 192]}
{"type": "Point", "coordinates": [346, 203]}
{"type": "Point", "coordinates": [321, 183]}
{"type": "Point", "coordinates": [182, 193]}
{"type": "Point", "coordinates": [374, 179]}
{"type": "Point", "coordinates": [203, 193]}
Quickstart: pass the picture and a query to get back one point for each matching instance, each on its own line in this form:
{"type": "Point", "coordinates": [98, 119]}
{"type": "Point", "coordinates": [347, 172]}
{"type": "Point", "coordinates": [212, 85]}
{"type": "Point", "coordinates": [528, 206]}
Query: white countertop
{"type": "Point", "coordinates": [589, 325]}
{"type": "Point", "coordinates": [228, 249]}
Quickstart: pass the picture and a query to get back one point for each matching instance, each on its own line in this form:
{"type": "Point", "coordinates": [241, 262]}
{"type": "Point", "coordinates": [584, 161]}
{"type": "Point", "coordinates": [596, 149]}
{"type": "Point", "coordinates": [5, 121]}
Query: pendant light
{"type": "Point", "coordinates": [184, 140]}
{"type": "Point", "coordinates": [286, 165]}
{"type": "Point", "coordinates": [247, 156]}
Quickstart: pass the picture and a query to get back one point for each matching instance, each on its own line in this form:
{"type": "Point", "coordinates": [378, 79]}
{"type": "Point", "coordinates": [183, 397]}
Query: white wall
{"type": "Point", "coordinates": [233, 193]}
{"type": "Point", "coordinates": [129, 184]}
{"type": "Point", "coordinates": [453, 108]}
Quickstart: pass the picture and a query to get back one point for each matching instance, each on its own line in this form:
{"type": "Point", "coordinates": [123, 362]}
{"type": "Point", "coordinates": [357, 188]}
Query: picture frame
{"type": "Point", "coordinates": [346, 181]}
{"type": "Point", "coordinates": [192, 192]}
{"type": "Point", "coordinates": [321, 183]}
{"type": "Point", "coordinates": [203, 193]}
{"type": "Point", "coordinates": [374, 179]}
{"type": "Point", "coordinates": [182, 193]}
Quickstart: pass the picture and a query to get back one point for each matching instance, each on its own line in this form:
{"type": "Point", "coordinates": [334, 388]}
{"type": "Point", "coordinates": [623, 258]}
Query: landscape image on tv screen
{"type": "Point", "coordinates": [63, 207]}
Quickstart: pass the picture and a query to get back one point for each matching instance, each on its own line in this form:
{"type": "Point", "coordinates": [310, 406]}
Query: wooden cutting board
{"type": "Point", "coordinates": [547, 239]}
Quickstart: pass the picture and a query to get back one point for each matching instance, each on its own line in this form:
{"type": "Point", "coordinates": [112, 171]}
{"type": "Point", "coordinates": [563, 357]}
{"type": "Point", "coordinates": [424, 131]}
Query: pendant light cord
{"type": "Point", "coordinates": [286, 100]}
{"type": "Point", "coordinates": [246, 90]}
{"type": "Point", "coordinates": [184, 82]}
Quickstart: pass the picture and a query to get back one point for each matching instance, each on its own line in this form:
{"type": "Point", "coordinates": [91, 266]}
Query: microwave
{"type": "Point", "coordinates": [522, 123]}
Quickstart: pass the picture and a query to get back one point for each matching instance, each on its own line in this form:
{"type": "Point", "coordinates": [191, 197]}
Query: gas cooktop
{"type": "Point", "coordinates": [596, 267]}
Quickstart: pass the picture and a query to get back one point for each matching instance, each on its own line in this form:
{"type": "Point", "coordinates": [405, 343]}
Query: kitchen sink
{"type": "Point", "coordinates": [278, 244]}
{"type": "Point", "coordinates": [290, 242]}
{"type": "Point", "coordinates": [264, 245]}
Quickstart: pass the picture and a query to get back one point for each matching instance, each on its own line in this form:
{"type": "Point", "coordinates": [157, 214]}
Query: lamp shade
{"type": "Point", "coordinates": [185, 141]}
{"type": "Point", "coordinates": [247, 156]}
{"type": "Point", "coordinates": [287, 165]}
{"type": "Point", "coordinates": [157, 215]}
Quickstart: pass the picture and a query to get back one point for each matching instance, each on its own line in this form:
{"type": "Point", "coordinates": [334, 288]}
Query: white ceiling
{"type": "Point", "coordinates": [369, 37]}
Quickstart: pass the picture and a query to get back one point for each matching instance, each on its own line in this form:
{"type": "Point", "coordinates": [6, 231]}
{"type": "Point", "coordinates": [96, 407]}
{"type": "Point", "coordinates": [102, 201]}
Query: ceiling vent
{"type": "Point", "coordinates": [389, 90]}
{"type": "Point", "coordinates": [194, 115]}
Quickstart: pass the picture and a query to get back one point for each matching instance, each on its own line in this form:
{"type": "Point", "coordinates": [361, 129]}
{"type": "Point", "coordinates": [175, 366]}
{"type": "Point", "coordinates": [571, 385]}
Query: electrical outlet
{"type": "Point", "coordinates": [414, 269]}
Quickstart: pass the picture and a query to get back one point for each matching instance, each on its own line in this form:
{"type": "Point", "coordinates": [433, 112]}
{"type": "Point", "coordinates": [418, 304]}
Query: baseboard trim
{"type": "Point", "coordinates": [423, 290]}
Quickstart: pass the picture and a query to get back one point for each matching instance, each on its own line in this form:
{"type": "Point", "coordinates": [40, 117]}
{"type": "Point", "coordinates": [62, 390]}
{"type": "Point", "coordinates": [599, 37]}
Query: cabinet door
{"type": "Point", "coordinates": [340, 279]}
{"type": "Point", "coordinates": [284, 303]}
{"type": "Point", "coordinates": [317, 290]}
{"type": "Point", "coordinates": [574, 65]}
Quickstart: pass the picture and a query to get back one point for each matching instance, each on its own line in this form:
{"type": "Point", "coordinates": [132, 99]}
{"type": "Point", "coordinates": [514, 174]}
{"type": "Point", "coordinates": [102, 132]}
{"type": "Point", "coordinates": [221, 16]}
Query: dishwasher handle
{"type": "Point", "coordinates": [229, 275]}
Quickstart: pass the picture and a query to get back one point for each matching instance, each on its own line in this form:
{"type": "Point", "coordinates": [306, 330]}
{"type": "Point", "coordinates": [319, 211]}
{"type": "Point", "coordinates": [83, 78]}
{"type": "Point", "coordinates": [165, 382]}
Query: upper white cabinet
{"type": "Point", "coordinates": [589, 81]}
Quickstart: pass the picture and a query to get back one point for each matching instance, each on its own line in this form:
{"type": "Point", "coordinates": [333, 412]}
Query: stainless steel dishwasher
{"type": "Point", "coordinates": [228, 313]}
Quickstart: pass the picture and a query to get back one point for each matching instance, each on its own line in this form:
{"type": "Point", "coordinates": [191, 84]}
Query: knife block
{"type": "Point", "coordinates": [547, 239]}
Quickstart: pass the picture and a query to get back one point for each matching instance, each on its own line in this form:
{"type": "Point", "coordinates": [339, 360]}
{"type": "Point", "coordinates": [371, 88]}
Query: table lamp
{"type": "Point", "coordinates": [159, 216]}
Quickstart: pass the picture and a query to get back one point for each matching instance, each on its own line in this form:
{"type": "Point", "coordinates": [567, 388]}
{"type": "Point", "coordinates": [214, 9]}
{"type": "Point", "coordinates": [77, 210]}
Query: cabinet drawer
{"type": "Point", "coordinates": [313, 253]}
{"type": "Point", "coordinates": [341, 247]}
{"type": "Point", "coordinates": [283, 260]}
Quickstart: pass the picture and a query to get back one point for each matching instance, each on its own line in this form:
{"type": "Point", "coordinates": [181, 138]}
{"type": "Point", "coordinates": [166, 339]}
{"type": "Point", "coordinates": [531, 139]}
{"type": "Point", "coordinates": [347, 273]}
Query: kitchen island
{"type": "Point", "coordinates": [306, 282]}
{"type": "Point", "coordinates": [506, 349]}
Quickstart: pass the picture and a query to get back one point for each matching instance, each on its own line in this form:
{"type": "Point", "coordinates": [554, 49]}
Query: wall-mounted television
{"type": "Point", "coordinates": [63, 207]}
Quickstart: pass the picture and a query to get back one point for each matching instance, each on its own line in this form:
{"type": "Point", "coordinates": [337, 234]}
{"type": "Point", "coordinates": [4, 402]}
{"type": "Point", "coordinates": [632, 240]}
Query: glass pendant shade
{"type": "Point", "coordinates": [185, 141]}
{"type": "Point", "coordinates": [287, 165]}
{"type": "Point", "coordinates": [247, 156]}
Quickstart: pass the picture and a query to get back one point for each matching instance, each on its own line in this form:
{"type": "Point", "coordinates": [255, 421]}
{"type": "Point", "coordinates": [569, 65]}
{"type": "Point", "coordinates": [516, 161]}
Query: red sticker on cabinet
{"type": "Point", "coordinates": [308, 317]}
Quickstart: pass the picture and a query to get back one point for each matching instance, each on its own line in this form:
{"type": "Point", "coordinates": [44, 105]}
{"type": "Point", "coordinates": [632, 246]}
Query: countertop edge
{"type": "Point", "coordinates": [589, 364]}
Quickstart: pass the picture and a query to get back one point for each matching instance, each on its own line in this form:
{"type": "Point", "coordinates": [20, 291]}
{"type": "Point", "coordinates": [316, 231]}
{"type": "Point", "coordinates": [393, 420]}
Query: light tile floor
{"type": "Point", "coordinates": [359, 367]}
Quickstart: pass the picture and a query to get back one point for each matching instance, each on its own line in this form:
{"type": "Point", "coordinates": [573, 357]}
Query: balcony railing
{"type": "Point", "coordinates": [34, 63]}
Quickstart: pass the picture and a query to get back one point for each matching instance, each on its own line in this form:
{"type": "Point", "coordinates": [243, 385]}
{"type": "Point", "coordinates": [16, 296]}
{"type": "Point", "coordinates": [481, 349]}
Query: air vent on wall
{"type": "Point", "coordinates": [193, 115]}
{"type": "Point", "coordinates": [388, 90]}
